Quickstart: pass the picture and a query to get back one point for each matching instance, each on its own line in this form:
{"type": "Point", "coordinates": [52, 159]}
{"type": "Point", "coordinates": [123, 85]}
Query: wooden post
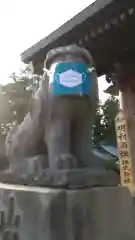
{"type": "Point", "coordinates": [125, 133]}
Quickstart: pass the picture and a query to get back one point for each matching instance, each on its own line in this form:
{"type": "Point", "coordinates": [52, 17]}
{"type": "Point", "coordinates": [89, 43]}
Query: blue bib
{"type": "Point", "coordinates": [70, 78]}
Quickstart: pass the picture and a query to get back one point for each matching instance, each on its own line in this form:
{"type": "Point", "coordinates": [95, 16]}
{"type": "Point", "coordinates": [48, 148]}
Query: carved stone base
{"type": "Point", "coordinates": [72, 178]}
{"type": "Point", "coordinates": [80, 178]}
{"type": "Point", "coordinates": [42, 213]}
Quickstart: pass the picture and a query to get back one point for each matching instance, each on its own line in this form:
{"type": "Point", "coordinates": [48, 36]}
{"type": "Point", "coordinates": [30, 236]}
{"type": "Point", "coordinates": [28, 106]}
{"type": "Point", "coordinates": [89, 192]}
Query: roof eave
{"type": "Point", "coordinates": [67, 27]}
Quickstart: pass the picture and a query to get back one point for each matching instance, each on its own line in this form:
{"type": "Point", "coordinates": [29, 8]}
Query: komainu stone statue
{"type": "Point", "coordinates": [72, 100]}
{"type": "Point", "coordinates": [56, 133]}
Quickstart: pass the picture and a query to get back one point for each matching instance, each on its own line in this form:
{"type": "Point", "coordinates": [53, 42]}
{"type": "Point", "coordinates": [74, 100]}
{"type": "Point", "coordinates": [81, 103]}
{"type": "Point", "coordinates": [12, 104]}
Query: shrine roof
{"type": "Point", "coordinates": [105, 28]}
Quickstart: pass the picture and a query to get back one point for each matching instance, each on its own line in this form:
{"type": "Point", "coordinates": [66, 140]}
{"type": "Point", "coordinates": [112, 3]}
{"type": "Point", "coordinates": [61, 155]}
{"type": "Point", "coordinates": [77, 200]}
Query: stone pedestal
{"type": "Point", "coordinates": [31, 213]}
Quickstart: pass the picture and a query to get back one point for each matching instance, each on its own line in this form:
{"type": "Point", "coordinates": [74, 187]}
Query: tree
{"type": "Point", "coordinates": [14, 102]}
{"type": "Point", "coordinates": [110, 110]}
{"type": "Point", "coordinates": [104, 127]}
{"type": "Point", "coordinates": [14, 98]}
{"type": "Point", "coordinates": [98, 128]}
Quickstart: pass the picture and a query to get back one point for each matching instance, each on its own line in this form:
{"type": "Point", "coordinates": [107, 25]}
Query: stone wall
{"type": "Point", "coordinates": [30, 213]}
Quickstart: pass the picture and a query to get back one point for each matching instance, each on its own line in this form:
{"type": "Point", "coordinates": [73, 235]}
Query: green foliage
{"type": "Point", "coordinates": [104, 127]}
{"type": "Point", "coordinates": [14, 99]}
{"type": "Point", "coordinates": [110, 110]}
{"type": "Point", "coordinates": [98, 128]}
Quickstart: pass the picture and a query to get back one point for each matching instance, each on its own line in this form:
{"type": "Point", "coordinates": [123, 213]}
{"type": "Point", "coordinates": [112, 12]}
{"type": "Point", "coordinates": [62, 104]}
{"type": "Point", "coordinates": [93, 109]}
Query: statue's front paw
{"type": "Point", "coordinates": [66, 161]}
{"type": "Point", "coordinates": [26, 167]}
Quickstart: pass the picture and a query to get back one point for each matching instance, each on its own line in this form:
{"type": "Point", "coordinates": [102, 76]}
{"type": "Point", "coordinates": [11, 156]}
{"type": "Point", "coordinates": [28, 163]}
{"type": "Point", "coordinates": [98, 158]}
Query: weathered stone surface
{"type": "Point", "coordinates": [84, 178]}
{"type": "Point", "coordinates": [29, 167]}
{"type": "Point", "coordinates": [32, 213]}
{"type": "Point", "coordinates": [65, 178]}
{"type": "Point", "coordinates": [27, 139]}
{"type": "Point", "coordinates": [63, 124]}
{"type": "Point", "coordinates": [66, 161]}
{"type": "Point", "coordinates": [101, 214]}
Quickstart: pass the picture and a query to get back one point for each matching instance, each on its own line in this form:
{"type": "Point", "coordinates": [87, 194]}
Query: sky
{"type": "Point", "coordinates": [24, 22]}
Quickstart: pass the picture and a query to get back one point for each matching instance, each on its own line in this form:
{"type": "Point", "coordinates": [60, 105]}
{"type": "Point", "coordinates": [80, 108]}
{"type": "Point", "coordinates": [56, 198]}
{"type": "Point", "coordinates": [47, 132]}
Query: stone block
{"type": "Point", "coordinates": [31, 213]}
{"type": "Point", "coordinates": [68, 178]}
{"type": "Point", "coordinates": [80, 178]}
{"type": "Point", "coordinates": [101, 214]}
